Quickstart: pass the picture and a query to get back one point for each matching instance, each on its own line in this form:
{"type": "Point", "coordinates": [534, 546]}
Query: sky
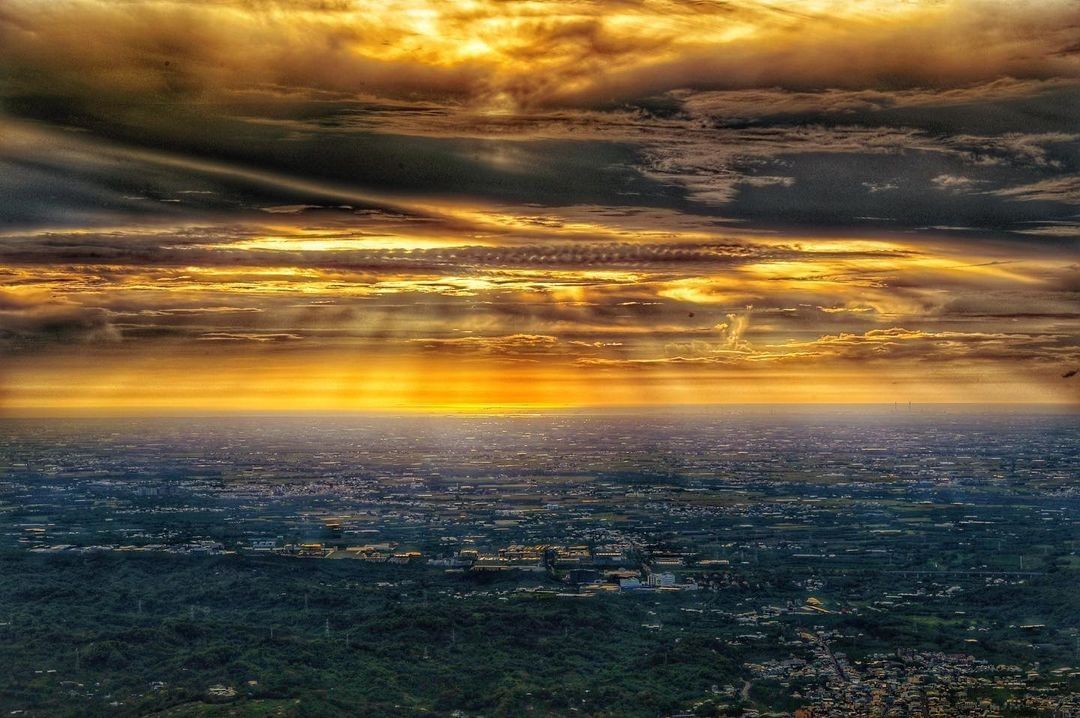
{"type": "Point", "coordinates": [266, 205]}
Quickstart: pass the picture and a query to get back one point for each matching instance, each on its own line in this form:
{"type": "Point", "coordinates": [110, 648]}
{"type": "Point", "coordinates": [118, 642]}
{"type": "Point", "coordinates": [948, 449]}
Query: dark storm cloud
{"type": "Point", "coordinates": [878, 178]}
{"type": "Point", "coordinates": [44, 325]}
{"type": "Point", "coordinates": [554, 172]}
{"type": "Point", "coordinates": [752, 150]}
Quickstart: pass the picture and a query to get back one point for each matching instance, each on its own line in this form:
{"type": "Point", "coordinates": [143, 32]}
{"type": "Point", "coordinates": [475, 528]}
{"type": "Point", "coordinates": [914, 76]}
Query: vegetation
{"type": "Point", "coordinates": [110, 634]}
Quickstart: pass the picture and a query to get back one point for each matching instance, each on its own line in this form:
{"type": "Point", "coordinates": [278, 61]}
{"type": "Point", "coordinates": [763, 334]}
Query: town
{"type": "Point", "coordinates": [829, 571]}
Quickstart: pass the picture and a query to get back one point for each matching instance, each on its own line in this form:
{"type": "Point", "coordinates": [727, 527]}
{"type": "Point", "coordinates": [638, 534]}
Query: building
{"type": "Point", "coordinates": [662, 580]}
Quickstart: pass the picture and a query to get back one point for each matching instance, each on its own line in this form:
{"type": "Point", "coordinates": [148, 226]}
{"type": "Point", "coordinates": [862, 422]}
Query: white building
{"type": "Point", "coordinates": [661, 580]}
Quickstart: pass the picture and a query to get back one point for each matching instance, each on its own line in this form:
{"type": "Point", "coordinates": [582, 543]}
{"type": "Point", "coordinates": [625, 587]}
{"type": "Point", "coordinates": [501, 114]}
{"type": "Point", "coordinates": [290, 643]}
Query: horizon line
{"type": "Point", "coordinates": [900, 407]}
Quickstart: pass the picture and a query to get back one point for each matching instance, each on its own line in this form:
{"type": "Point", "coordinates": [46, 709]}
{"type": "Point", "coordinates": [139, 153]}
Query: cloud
{"type": "Point", "coordinates": [510, 345]}
{"type": "Point", "coordinates": [39, 326]}
{"type": "Point", "coordinates": [1053, 229]}
{"type": "Point", "coordinates": [511, 183]}
{"type": "Point", "coordinates": [491, 53]}
{"type": "Point", "coordinates": [893, 347]}
{"type": "Point", "coordinates": [731, 107]}
{"type": "Point", "coordinates": [198, 311]}
{"type": "Point", "coordinates": [725, 339]}
{"type": "Point", "coordinates": [1027, 149]}
{"type": "Point", "coordinates": [952, 183]}
{"type": "Point", "coordinates": [767, 181]}
{"type": "Point", "coordinates": [713, 164]}
{"type": "Point", "coordinates": [942, 346]}
{"type": "Point", "coordinates": [1057, 189]}
{"type": "Point", "coordinates": [948, 44]}
{"type": "Point", "coordinates": [256, 337]}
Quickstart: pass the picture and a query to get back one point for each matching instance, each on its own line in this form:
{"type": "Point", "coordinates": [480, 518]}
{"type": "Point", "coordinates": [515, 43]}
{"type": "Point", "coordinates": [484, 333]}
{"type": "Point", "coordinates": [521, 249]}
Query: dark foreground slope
{"type": "Point", "coordinates": [144, 635]}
